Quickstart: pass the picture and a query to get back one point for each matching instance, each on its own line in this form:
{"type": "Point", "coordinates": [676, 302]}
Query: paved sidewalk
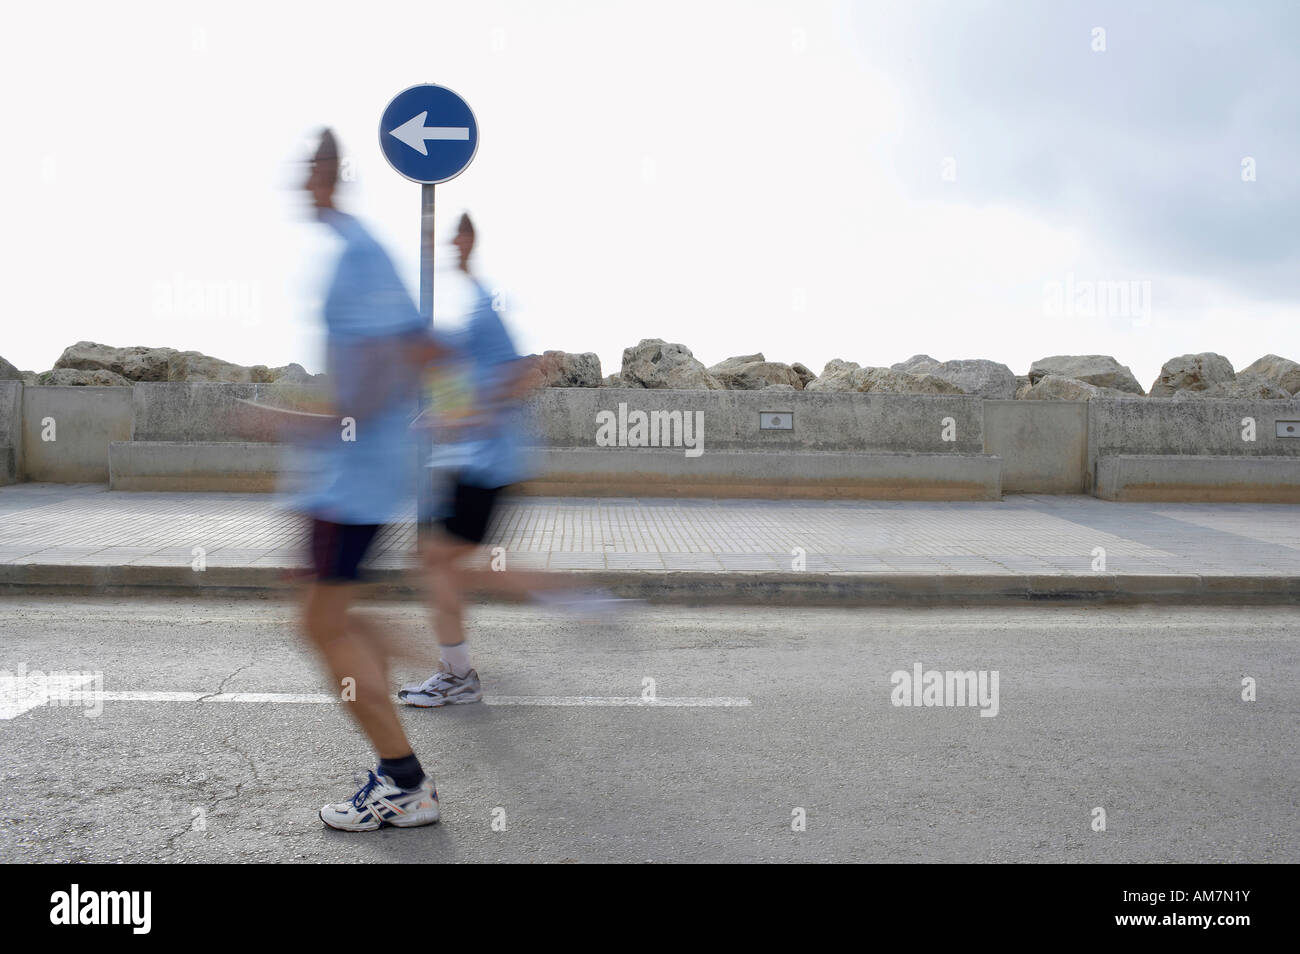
{"type": "Point", "coordinates": [53, 535]}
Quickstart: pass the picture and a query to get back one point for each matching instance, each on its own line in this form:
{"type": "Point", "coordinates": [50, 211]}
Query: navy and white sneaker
{"type": "Point", "coordinates": [379, 802]}
{"type": "Point", "coordinates": [443, 689]}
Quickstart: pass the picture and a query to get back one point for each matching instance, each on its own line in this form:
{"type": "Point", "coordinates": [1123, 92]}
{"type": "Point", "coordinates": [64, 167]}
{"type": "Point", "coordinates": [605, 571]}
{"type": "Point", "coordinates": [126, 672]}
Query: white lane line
{"type": "Point", "coordinates": [694, 702]}
{"type": "Point", "coordinates": [291, 697]}
{"type": "Point", "coordinates": [699, 702]}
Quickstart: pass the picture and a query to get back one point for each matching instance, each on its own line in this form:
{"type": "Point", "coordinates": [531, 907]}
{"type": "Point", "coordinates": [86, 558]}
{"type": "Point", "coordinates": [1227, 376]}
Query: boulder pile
{"type": "Point", "coordinates": [88, 363]}
{"type": "Point", "coordinates": [658, 364]}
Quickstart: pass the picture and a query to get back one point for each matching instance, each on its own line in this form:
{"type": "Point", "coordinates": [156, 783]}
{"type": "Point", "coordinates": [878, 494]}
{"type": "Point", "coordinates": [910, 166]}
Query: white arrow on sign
{"type": "Point", "coordinates": [414, 132]}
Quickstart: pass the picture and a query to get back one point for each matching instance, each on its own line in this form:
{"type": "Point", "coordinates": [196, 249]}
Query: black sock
{"type": "Point", "coordinates": [405, 772]}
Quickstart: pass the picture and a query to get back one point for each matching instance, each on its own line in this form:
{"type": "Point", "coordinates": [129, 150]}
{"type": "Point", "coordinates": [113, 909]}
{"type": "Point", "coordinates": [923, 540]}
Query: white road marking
{"type": "Point", "coordinates": [17, 701]}
{"type": "Point", "coordinates": [291, 697]}
{"type": "Point", "coordinates": [708, 702]}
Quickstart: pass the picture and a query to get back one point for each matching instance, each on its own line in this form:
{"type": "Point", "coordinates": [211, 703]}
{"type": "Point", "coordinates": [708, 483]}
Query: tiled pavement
{"type": "Point", "coordinates": [88, 525]}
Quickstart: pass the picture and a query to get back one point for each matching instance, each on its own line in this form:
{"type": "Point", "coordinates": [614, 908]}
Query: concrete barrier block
{"type": "Point", "coordinates": [66, 431]}
{"type": "Point", "coordinates": [1198, 478]}
{"type": "Point", "coordinates": [11, 431]}
{"type": "Point", "coordinates": [631, 472]}
{"type": "Point", "coordinates": [176, 411]}
{"type": "Point", "coordinates": [193, 466]}
{"type": "Point", "coordinates": [11, 412]}
{"type": "Point", "coordinates": [263, 467]}
{"type": "Point", "coordinates": [1160, 427]}
{"type": "Point", "coordinates": [822, 420]}
{"type": "Point", "coordinates": [1043, 444]}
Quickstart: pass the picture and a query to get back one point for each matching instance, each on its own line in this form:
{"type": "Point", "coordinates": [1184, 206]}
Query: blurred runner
{"type": "Point", "coordinates": [480, 427]}
{"type": "Point", "coordinates": [376, 346]}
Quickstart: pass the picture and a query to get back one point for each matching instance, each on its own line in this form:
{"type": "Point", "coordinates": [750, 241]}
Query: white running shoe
{"type": "Point", "coordinates": [379, 802]}
{"type": "Point", "coordinates": [443, 689]}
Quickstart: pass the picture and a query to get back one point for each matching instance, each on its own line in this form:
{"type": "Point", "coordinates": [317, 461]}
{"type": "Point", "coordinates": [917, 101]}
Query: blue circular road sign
{"type": "Point", "coordinates": [428, 134]}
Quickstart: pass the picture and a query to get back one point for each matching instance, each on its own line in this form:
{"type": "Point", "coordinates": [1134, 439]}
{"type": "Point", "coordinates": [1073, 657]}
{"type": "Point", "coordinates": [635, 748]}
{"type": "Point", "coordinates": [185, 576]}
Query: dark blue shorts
{"type": "Point", "coordinates": [471, 512]}
{"type": "Point", "coordinates": [337, 549]}
{"type": "Point", "coordinates": [467, 513]}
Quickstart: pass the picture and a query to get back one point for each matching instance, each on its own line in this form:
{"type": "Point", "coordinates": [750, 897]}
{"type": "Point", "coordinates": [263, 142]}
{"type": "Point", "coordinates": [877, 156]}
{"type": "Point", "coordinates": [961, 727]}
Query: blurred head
{"type": "Point", "coordinates": [464, 241]}
{"type": "Point", "coordinates": [323, 174]}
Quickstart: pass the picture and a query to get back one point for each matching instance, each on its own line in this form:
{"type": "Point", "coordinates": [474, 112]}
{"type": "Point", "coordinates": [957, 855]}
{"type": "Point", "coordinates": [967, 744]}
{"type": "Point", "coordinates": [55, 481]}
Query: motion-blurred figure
{"type": "Point", "coordinates": [377, 343]}
{"type": "Point", "coordinates": [476, 420]}
{"type": "Point", "coordinates": [480, 427]}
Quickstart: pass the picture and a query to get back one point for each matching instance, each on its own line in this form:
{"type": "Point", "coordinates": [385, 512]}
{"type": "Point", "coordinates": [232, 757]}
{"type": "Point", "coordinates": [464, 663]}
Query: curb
{"type": "Point", "coordinates": [701, 588]}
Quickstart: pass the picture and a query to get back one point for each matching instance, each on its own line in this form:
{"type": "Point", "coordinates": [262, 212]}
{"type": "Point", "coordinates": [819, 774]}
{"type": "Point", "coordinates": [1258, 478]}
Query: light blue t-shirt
{"type": "Point", "coordinates": [495, 454]}
{"type": "Point", "coordinates": [370, 320]}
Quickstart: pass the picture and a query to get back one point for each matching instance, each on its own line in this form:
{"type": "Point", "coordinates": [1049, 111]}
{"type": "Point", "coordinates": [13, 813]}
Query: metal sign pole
{"type": "Point", "coordinates": [424, 494]}
{"type": "Point", "coordinates": [426, 252]}
{"type": "Point", "coordinates": [429, 135]}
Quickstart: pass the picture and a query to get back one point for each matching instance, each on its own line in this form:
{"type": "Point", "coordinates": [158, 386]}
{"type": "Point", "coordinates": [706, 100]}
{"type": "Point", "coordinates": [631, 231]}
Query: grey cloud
{"type": "Point", "coordinates": [1139, 146]}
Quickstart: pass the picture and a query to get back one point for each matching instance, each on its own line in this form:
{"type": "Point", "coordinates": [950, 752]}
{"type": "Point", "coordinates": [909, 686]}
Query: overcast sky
{"type": "Point", "coordinates": [811, 180]}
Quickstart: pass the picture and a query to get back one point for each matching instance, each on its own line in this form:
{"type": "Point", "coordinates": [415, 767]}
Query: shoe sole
{"type": "Point", "coordinates": [419, 822]}
{"type": "Point", "coordinates": [453, 701]}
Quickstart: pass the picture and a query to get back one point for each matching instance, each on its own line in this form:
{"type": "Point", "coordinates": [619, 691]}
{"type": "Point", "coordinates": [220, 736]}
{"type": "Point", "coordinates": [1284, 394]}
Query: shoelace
{"type": "Point", "coordinates": [439, 678]}
{"type": "Point", "coordinates": [359, 799]}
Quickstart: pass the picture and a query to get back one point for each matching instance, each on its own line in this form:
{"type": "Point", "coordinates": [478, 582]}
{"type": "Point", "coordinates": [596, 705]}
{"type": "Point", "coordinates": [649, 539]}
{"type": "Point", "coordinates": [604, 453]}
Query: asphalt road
{"type": "Point", "coordinates": [1137, 711]}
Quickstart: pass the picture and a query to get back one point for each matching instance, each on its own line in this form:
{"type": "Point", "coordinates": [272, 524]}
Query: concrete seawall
{"type": "Point", "coordinates": [1043, 445]}
{"type": "Point", "coordinates": [817, 420]}
{"type": "Point", "coordinates": [11, 431]}
{"type": "Point", "coordinates": [66, 432]}
{"type": "Point", "coordinates": [161, 436]}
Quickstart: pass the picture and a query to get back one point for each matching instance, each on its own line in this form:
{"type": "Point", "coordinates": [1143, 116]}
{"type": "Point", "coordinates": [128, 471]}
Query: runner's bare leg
{"type": "Point", "coordinates": [353, 648]}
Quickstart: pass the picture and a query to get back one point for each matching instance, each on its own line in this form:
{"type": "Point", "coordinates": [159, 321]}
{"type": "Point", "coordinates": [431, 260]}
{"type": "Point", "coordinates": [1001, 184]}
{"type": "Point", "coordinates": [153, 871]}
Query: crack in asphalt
{"type": "Point", "coordinates": [222, 687]}
{"type": "Point", "coordinates": [171, 847]}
